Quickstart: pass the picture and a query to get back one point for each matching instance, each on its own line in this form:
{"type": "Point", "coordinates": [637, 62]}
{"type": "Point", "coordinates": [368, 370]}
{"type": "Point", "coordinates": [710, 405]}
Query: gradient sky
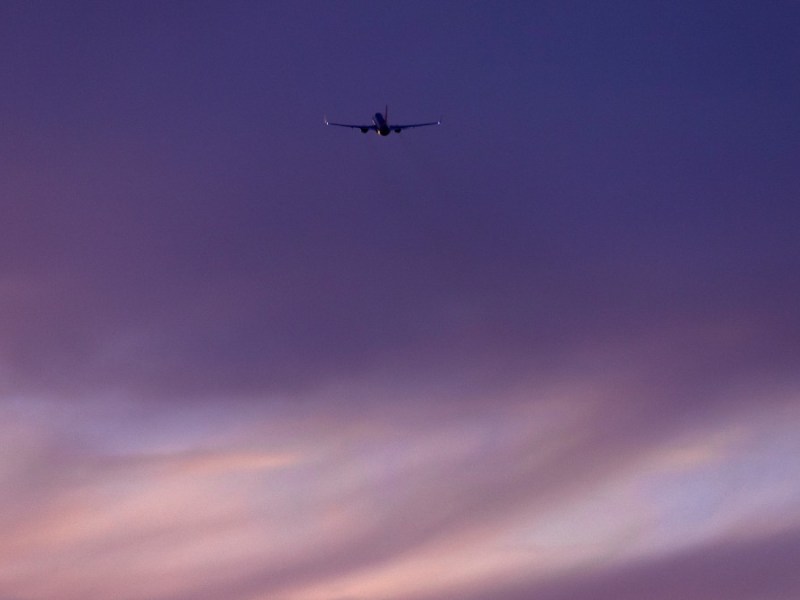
{"type": "Point", "coordinates": [550, 349]}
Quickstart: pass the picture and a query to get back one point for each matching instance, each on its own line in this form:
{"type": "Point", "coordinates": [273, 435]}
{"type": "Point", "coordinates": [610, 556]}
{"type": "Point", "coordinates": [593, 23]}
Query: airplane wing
{"type": "Point", "coordinates": [361, 127]}
{"type": "Point", "coordinates": [399, 127]}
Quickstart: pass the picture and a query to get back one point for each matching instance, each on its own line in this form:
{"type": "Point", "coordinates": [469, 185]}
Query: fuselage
{"type": "Point", "coordinates": [381, 126]}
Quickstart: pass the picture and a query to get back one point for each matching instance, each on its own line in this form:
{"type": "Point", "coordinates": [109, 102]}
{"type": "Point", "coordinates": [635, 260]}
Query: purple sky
{"type": "Point", "coordinates": [550, 349]}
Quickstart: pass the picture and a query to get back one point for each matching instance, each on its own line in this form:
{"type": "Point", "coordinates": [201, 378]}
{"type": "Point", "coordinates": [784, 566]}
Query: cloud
{"type": "Point", "coordinates": [350, 495]}
{"type": "Point", "coordinates": [739, 569]}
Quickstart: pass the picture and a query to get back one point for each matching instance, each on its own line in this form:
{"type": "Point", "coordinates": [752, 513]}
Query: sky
{"type": "Point", "coordinates": [549, 349]}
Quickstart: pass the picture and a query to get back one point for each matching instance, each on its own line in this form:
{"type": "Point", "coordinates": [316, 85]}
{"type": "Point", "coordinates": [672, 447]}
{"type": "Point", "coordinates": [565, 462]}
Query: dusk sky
{"type": "Point", "coordinates": [548, 350]}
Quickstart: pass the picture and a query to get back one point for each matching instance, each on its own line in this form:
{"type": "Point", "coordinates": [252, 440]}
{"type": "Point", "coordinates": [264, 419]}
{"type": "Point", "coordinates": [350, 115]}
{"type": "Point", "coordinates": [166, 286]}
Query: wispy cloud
{"type": "Point", "coordinates": [512, 490]}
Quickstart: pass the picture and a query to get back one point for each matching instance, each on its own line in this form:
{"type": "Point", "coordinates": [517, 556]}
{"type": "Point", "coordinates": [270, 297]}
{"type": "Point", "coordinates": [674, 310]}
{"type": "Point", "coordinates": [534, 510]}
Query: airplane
{"type": "Point", "coordinates": [380, 124]}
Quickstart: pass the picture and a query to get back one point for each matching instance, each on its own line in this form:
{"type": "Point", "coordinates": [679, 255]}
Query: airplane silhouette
{"type": "Point", "coordinates": [380, 124]}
